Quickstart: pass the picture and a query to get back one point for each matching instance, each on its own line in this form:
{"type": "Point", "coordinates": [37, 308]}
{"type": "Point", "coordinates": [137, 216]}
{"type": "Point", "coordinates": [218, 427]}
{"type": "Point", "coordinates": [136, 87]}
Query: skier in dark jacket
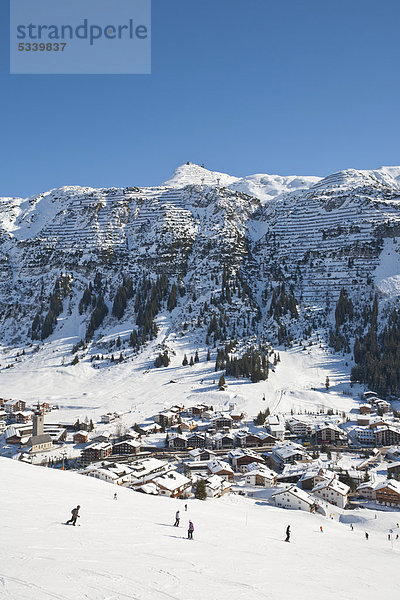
{"type": "Point", "coordinates": [75, 516]}
{"type": "Point", "coordinates": [190, 530]}
{"type": "Point", "coordinates": [287, 534]}
{"type": "Point", "coordinates": [177, 519]}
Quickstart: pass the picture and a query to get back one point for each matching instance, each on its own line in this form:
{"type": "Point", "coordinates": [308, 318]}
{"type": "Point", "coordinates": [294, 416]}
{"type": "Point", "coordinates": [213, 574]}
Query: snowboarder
{"type": "Point", "coordinates": [177, 519]}
{"type": "Point", "coordinates": [287, 534]}
{"type": "Point", "coordinates": [190, 530]}
{"type": "Point", "coordinates": [366, 535]}
{"type": "Point", "coordinates": [115, 496]}
{"type": "Point", "coordinates": [74, 517]}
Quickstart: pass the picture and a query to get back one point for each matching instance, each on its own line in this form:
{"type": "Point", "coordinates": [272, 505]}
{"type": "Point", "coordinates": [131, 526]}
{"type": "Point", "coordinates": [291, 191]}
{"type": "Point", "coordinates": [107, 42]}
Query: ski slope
{"type": "Point", "coordinates": [139, 390]}
{"type": "Point", "coordinates": [128, 548]}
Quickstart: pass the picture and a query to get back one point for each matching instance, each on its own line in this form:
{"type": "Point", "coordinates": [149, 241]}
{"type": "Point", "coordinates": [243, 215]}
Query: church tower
{"type": "Point", "coordinates": [38, 422]}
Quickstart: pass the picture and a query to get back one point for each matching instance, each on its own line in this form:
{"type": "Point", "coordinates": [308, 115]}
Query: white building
{"type": "Point", "coordinates": [113, 473]}
{"type": "Point", "coordinates": [288, 452]}
{"type": "Point", "coordinates": [276, 426]}
{"type": "Point", "coordinates": [217, 486]}
{"type": "Point", "coordinates": [220, 468]}
{"type": "Point", "coordinates": [295, 499]}
{"type": "Point", "coordinates": [147, 469]}
{"type": "Point", "coordinates": [260, 475]}
{"type": "Point", "coordinates": [332, 491]}
{"type": "Point", "coordinates": [173, 484]}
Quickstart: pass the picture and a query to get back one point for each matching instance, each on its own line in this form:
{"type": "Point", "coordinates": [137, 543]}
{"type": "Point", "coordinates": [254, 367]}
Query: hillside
{"type": "Point", "coordinates": [205, 260]}
{"type": "Point", "coordinates": [129, 549]}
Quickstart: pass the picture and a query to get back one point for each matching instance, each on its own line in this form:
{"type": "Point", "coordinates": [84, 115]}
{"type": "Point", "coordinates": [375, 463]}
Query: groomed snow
{"type": "Point", "coordinates": [128, 548]}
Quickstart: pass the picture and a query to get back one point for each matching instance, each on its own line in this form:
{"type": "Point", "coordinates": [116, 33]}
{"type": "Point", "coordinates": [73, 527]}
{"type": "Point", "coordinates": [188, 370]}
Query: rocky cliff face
{"type": "Point", "coordinates": [227, 243]}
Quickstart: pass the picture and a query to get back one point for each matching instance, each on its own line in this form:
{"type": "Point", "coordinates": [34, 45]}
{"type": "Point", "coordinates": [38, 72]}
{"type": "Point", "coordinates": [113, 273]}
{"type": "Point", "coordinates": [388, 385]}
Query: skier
{"type": "Point", "coordinates": [366, 535]}
{"type": "Point", "coordinates": [177, 519]}
{"type": "Point", "coordinates": [75, 516]}
{"type": "Point", "coordinates": [190, 530]}
{"type": "Point", "coordinates": [185, 506]}
{"type": "Point", "coordinates": [287, 534]}
{"type": "Point", "coordinates": [115, 496]}
{"type": "Point", "coordinates": [321, 530]}
{"type": "Point", "coordinates": [351, 526]}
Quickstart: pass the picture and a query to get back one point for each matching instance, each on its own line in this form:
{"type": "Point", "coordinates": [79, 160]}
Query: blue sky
{"type": "Point", "coordinates": [302, 87]}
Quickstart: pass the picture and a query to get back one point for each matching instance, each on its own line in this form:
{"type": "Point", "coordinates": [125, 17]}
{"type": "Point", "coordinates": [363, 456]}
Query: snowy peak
{"type": "Point", "coordinates": [262, 186]}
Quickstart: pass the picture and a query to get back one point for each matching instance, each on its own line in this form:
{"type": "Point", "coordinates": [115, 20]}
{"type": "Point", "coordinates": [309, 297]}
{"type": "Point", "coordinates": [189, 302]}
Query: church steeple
{"type": "Point", "coordinates": [38, 422]}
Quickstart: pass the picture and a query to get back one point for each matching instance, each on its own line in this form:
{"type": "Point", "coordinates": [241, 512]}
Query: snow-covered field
{"type": "Point", "coordinates": [138, 388]}
{"type": "Point", "coordinates": [129, 549]}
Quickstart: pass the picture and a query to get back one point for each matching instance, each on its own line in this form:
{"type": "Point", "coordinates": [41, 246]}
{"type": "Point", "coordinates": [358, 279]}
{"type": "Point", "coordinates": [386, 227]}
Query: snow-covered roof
{"type": "Point", "coordinates": [392, 484]}
{"type": "Point", "coordinates": [171, 481]}
{"type": "Point", "coordinates": [216, 466]}
{"type": "Point", "coordinates": [298, 493]}
{"type": "Point", "coordinates": [333, 484]}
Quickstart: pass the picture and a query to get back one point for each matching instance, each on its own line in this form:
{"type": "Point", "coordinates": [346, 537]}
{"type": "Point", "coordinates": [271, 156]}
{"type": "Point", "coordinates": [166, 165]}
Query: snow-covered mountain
{"type": "Point", "coordinates": [224, 245]}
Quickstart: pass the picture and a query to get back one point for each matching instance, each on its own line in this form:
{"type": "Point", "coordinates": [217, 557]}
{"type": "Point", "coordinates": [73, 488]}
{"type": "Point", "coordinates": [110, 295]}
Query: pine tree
{"type": "Point", "coordinates": [221, 382]}
{"type": "Point", "coordinates": [196, 357]}
{"type": "Point", "coordinates": [208, 355]}
{"type": "Point", "coordinates": [185, 361]}
{"type": "Point", "coordinates": [191, 363]}
{"type": "Point", "coordinates": [327, 384]}
{"type": "Point", "coordinates": [200, 491]}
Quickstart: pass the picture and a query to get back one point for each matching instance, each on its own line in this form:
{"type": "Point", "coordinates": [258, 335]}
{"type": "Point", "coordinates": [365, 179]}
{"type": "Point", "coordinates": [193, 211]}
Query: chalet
{"type": "Point", "coordinates": [39, 443]}
{"type": "Point", "coordinates": [291, 473]}
{"type": "Point", "coordinates": [188, 425]}
{"type": "Point", "coordinates": [3, 415]}
{"type": "Point", "coordinates": [166, 418]}
{"type": "Point", "coordinates": [365, 409]}
{"type": "Point", "coordinates": [199, 454]}
{"type": "Point", "coordinates": [294, 498]}
{"type": "Point", "coordinates": [266, 439]}
{"type": "Point", "coordinates": [112, 473]}
{"type": "Point", "coordinates": [387, 435]}
{"type": "Point", "coordinates": [223, 441]}
{"type": "Point", "coordinates": [299, 427]}
{"type": "Point", "coordinates": [369, 395]}
{"type": "Point", "coordinates": [126, 447]}
{"type": "Point", "coordinates": [13, 406]}
{"type": "Point", "coordinates": [288, 452]}
{"type": "Point", "coordinates": [109, 417]}
{"type": "Point", "coordinates": [198, 440]}
{"type": "Point", "coordinates": [382, 406]}
{"type": "Point", "coordinates": [149, 429]}
{"type": "Point", "coordinates": [332, 491]}
{"type": "Point", "coordinates": [276, 426]}
{"type": "Point", "coordinates": [198, 410]}
{"type": "Point", "coordinates": [220, 468]}
{"type": "Point", "coordinates": [327, 433]}
{"type": "Point", "coordinates": [394, 470]}
{"type": "Point", "coordinates": [365, 436]}
{"type": "Point", "coordinates": [145, 470]}
{"type": "Point", "coordinates": [260, 475]}
{"type": "Point", "coordinates": [177, 441]}
{"type": "Point", "coordinates": [216, 486]}
{"type": "Point", "coordinates": [367, 489]}
{"type": "Point", "coordinates": [388, 493]}
{"type": "Point", "coordinates": [220, 421]}
{"type": "Point", "coordinates": [311, 477]}
{"type": "Point", "coordinates": [173, 484]}
{"type": "Point", "coordinates": [244, 439]}
{"type": "Point", "coordinates": [23, 416]}
{"type": "Point", "coordinates": [237, 415]}
{"type": "Point", "coordinates": [80, 437]}
{"type": "Point", "coordinates": [96, 451]}
{"type": "Point", "coordinates": [363, 420]}
{"type": "Point", "coordinates": [241, 457]}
